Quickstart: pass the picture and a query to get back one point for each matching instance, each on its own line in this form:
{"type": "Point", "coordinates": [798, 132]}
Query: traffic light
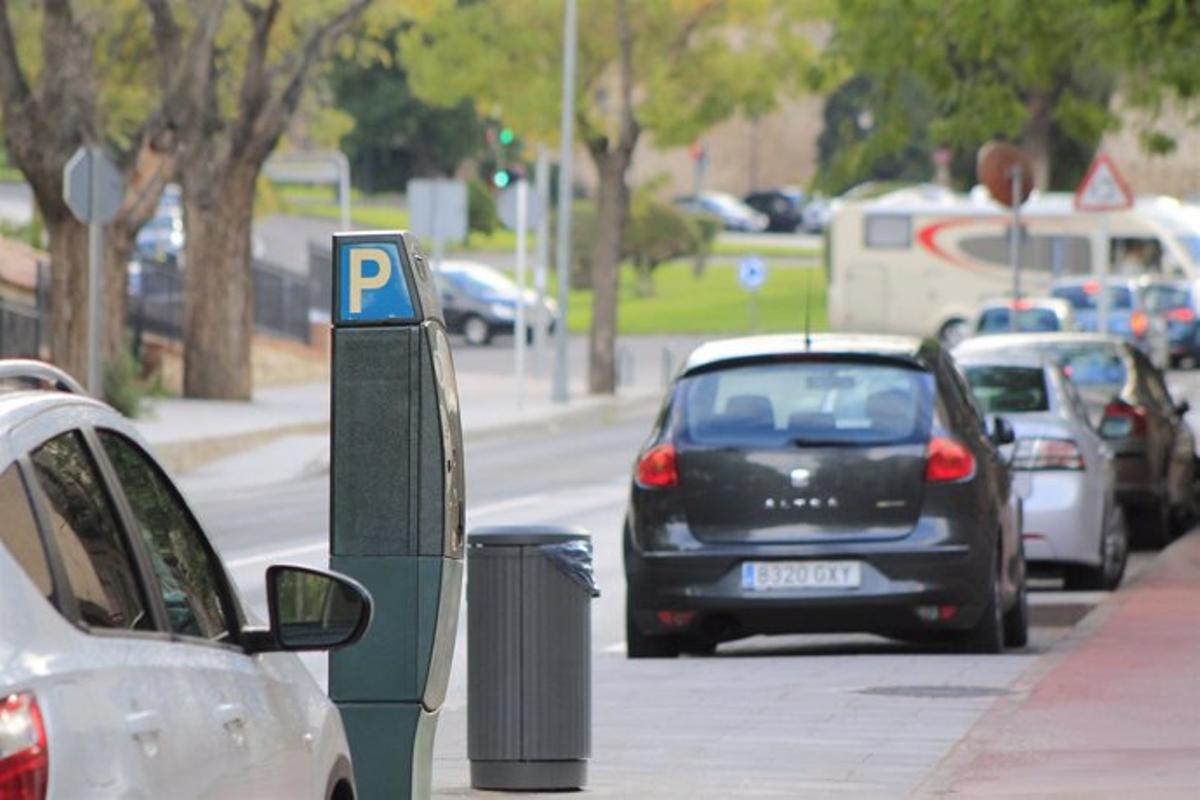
{"type": "Point", "coordinates": [507, 136]}
{"type": "Point", "coordinates": [502, 178]}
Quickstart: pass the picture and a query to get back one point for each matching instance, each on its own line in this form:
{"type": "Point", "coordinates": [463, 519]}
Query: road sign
{"type": "Point", "coordinates": [506, 209]}
{"type": "Point", "coordinates": [1103, 188]}
{"type": "Point", "coordinates": [371, 285]}
{"type": "Point", "coordinates": [1003, 168]}
{"type": "Point", "coordinates": [752, 273]}
{"type": "Point", "coordinates": [92, 186]}
{"type": "Point", "coordinates": [438, 209]}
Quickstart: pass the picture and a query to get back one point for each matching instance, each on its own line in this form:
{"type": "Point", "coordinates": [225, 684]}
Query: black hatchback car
{"type": "Point", "coordinates": [836, 483]}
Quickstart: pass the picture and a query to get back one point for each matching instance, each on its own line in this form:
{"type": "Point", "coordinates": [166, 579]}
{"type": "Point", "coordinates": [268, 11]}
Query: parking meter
{"type": "Point", "coordinates": [396, 505]}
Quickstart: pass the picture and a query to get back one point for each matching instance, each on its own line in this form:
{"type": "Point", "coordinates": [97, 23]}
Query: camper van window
{"type": "Point", "coordinates": [888, 230]}
{"type": "Point", "coordinates": [1133, 256]}
{"type": "Point", "coordinates": [1057, 255]}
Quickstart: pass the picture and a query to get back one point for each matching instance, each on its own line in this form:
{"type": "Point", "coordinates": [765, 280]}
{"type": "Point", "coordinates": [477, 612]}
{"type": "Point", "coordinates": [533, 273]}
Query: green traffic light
{"type": "Point", "coordinates": [501, 178]}
{"type": "Point", "coordinates": [507, 136]}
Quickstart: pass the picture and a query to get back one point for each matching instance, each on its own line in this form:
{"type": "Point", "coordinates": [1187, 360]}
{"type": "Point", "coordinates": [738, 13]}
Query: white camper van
{"type": "Point", "coordinates": [920, 260]}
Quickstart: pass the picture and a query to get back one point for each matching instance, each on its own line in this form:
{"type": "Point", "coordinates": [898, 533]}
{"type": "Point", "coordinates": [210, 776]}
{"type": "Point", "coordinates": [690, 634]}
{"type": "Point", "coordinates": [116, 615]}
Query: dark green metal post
{"type": "Point", "coordinates": [396, 505]}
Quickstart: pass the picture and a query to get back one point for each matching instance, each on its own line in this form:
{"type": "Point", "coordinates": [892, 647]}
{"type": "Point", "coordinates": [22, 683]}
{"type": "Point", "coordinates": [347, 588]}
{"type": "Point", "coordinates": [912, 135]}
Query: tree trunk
{"type": "Point", "coordinates": [68, 300]}
{"type": "Point", "coordinates": [218, 290]}
{"type": "Point", "coordinates": [612, 204]}
{"type": "Point", "coordinates": [1036, 140]}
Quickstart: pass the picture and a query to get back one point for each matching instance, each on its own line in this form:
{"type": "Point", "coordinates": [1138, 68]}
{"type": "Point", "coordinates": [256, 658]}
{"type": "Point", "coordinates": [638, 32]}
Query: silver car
{"type": "Point", "coordinates": [1072, 518]}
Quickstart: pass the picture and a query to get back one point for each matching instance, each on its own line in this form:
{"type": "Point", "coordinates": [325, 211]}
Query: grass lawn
{"type": "Point", "coordinates": [781, 250]}
{"type": "Point", "coordinates": [714, 303]}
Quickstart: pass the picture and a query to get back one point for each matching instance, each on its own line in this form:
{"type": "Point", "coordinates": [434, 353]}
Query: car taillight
{"type": "Point", "coordinates": [1122, 419]}
{"type": "Point", "coordinates": [1139, 323]}
{"type": "Point", "coordinates": [1184, 314]}
{"type": "Point", "coordinates": [24, 759]}
{"type": "Point", "coordinates": [1047, 454]}
{"type": "Point", "coordinates": [947, 460]}
{"type": "Point", "coordinates": [657, 468]}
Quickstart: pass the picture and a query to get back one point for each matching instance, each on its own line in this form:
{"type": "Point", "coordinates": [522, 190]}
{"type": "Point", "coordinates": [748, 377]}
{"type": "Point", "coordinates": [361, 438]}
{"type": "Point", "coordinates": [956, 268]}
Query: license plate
{"type": "Point", "coordinates": [764, 576]}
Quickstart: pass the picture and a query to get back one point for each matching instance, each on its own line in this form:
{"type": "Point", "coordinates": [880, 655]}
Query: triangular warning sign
{"type": "Point", "coordinates": [1103, 188]}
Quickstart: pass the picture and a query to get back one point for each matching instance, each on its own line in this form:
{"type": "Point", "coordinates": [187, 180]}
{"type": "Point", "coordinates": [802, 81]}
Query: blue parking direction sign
{"type": "Point", "coordinates": [372, 286]}
{"type": "Point", "coordinates": [752, 273]}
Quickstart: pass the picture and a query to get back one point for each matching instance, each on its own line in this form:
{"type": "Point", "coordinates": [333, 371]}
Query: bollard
{"type": "Point", "coordinates": [396, 505]}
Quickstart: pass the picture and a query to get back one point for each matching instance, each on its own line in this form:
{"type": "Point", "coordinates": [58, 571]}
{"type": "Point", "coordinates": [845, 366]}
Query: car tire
{"type": "Point", "coordinates": [987, 636]}
{"type": "Point", "coordinates": [641, 645]}
{"type": "Point", "coordinates": [1114, 555]}
{"type": "Point", "coordinates": [1016, 621]}
{"type": "Point", "coordinates": [476, 331]}
{"type": "Point", "coordinates": [1151, 525]}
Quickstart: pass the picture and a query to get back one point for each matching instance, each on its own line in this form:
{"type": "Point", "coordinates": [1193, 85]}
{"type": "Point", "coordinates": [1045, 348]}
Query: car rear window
{"type": "Point", "coordinates": [1029, 320]}
{"type": "Point", "coordinates": [1086, 297]}
{"type": "Point", "coordinates": [808, 403]}
{"type": "Point", "coordinates": [1087, 364]}
{"type": "Point", "coordinates": [1000, 389]}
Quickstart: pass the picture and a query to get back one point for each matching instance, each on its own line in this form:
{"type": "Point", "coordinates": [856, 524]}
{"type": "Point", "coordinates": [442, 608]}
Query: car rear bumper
{"type": "Point", "coordinates": [897, 580]}
{"type": "Point", "coordinates": [1061, 520]}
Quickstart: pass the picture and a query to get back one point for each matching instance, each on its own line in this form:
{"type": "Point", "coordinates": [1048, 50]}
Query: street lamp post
{"type": "Point", "coordinates": [563, 249]}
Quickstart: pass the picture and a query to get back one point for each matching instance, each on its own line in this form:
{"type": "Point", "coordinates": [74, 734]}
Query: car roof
{"type": "Point", "coordinates": [1005, 359]}
{"type": "Point", "coordinates": [1056, 303]}
{"type": "Point", "coordinates": [709, 354]}
{"type": "Point", "coordinates": [29, 416]}
{"type": "Point", "coordinates": [1005, 341]}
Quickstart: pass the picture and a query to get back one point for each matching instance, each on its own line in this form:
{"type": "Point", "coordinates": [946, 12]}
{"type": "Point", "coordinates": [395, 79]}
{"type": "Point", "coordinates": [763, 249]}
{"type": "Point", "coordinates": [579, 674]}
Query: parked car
{"type": "Point", "coordinates": [1128, 401]}
{"type": "Point", "coordinates": [162, 238]}
{"type": "Point", "coordinates": [1127, 315]}
{"type": "Point", "coordinates": [480, 302]}
{"type": "Point", "coordinates": [733, 213]}
{"type": "Point", "coordinates": [817, 214]}
{"type": "Point", "coordinates": [784, 208]}
{"type": "Point", "coordinates": [1072, 520]}
{"type": "Point", "coordinates": [128, 667]}
{"type": "Point", "coordinates": [1033, 315]}
{"type": "Point", "coordinates": [1178, 304]}
{"type": "Point", "coordinates": [798, 484]}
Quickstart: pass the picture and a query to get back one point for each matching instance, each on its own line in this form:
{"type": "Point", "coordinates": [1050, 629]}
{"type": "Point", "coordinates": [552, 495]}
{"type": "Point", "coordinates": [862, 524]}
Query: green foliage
{"type": "Point", "coordinates": [656, 232]}
{"type": "Point", "coordinates": [481, 209]}
{"type": "Point", "coordinates": [1036, 72]}
{"type": "Point", "coordinates": [124, 388]}
{"type": "Point", "coordinates": [397, 136]}
{"type": "Point", "coordinates": [707, 227]}
{"type": "Point", "coordinates": [506, 58]}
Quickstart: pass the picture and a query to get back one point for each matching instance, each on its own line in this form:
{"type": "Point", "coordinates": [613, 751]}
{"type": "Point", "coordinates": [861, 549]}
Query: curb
{"type": "Point", "coordinates": [181, 457]}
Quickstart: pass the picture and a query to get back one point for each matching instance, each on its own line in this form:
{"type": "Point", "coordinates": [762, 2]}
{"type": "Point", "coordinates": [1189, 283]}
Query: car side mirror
{"type": "Point", "coordinates": [1002, 432]}
{"type": "Point", "coordinates": [1183, 407]}
{"type": "Point", "coordinates": [312, 609]}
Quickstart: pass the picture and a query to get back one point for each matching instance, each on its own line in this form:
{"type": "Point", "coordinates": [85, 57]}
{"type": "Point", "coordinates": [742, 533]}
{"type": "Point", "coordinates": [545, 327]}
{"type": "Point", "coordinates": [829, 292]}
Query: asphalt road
{"type": "Point", "coordinates": [792, 717]}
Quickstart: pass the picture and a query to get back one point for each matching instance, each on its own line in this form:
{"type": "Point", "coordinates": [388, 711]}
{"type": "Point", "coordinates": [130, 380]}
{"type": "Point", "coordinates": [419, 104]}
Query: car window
{"type": "Point", "coordinates": [1090, 364]}
{"type": "Point", "coordinates": [800, 403]}
{"type": "Point", "coordinates": [1000, 389]}
{"type": "Point", "coordinates": [1161, 297]}
{"type": "Point", "coordinates": [1029, 320]}
{"type": "Point", "coordinates": [19, 533]}
{"type": "Point", "coordinates": [188, 573]}
{"type": "Point", "coordinates": [83, 526]}
{"type": "Point", "coordinates": [1086, 297]}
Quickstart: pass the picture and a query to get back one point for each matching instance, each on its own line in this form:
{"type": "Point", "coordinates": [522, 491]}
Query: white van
{"type": "Point", "coordinates": [920, 260]}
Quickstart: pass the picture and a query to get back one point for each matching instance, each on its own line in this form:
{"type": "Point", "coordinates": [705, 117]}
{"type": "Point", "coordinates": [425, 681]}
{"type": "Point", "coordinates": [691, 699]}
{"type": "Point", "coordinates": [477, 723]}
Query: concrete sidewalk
{"type": "Point", "coordinates": [187, 434]}
{"type": "Point", "coordinates": [1115, 714]}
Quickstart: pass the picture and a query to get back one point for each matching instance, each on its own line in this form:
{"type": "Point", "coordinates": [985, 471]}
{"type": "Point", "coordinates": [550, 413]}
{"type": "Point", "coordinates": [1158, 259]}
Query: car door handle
{"type": "Point", "coordinates": [143, 723]}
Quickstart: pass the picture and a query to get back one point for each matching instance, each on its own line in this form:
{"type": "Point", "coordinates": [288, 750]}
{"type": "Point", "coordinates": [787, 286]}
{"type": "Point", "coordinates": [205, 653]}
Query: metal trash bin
{"type": "Point", "coordinates": [529, 665]}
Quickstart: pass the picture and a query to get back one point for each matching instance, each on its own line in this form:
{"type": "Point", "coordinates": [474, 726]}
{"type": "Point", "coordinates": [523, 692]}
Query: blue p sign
{"type": "Point", "coordinates": [371, 284]}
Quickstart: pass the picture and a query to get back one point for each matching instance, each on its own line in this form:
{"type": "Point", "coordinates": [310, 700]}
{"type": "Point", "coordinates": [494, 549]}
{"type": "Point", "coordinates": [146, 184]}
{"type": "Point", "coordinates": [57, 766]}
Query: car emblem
{"type": "Point", "coordinates": [800, 478]}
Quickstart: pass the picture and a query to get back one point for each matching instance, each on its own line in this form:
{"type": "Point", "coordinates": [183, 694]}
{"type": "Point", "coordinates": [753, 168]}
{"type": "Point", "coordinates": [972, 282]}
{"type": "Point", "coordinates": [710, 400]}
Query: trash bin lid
{"type": "Point", "coordinates": [515, 535]}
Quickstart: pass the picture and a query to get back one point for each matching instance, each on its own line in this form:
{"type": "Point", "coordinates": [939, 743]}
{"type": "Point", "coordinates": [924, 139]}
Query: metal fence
{"type": "Point", "coordinates": [281, 301]}
{"type": "Point", "coordinates": [20, 329]}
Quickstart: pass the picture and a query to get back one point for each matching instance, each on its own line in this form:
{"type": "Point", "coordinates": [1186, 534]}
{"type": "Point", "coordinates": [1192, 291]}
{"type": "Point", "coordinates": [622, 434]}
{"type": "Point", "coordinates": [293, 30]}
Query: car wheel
{"type": "Point", "coordinates": [1151, 525]}
{"type": "Point", "coordinates": [640, 645]}
{"type": "Point", "coordinates": [476, 331]}
{"type": "Point", "coordinates": [1114, 555]}
{"type": "Point", "coordinates": [988, 634]}
{"type": "Point", "coordinates": [1016, 621]}
{"type": "Point", "coordinates": [698, 645]}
